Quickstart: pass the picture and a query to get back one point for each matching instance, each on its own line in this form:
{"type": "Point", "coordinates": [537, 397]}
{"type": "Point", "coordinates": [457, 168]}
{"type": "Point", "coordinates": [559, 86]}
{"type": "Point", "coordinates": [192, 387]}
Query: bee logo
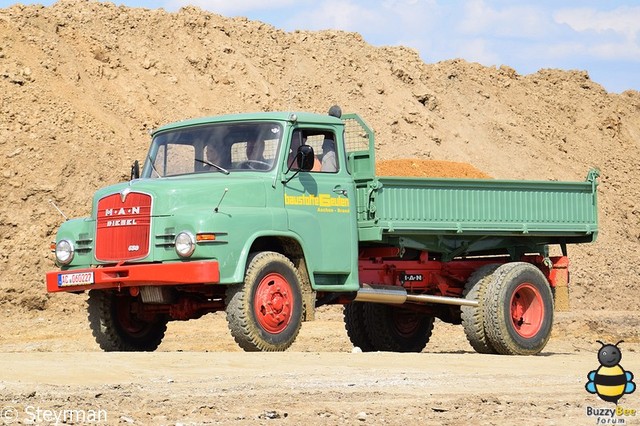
{"type": "Point", "coordinates": [610, 381]}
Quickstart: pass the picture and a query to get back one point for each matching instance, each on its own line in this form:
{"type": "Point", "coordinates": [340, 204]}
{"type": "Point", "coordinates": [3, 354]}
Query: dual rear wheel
{"type": "Point", "coordinates": [378, 327]}
{"type": "Point", "coordinates": [514, 315]}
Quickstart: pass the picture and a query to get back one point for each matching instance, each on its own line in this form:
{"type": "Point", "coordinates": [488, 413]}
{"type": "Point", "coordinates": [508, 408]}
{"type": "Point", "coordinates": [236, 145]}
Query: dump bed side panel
{"type": "Point", "coordinates": [411, 206]}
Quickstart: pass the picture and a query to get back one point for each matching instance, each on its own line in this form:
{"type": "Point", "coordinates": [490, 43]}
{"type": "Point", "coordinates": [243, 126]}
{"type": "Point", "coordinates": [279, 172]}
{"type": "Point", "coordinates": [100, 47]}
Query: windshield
{"type": "Point", "coordinates": [214, 148]}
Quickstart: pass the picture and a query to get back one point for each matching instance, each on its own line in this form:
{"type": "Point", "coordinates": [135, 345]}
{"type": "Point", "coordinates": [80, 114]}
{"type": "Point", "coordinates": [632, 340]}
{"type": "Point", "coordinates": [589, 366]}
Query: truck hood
{"type": "Point", "coordinates": [171, 195]}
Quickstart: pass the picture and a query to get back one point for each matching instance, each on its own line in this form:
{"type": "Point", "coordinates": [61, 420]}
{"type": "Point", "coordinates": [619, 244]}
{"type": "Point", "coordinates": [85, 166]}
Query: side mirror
{"type": "Point", "coordinates": [135, 170]}
{"type": "Point", "coordinates": [305, 158]}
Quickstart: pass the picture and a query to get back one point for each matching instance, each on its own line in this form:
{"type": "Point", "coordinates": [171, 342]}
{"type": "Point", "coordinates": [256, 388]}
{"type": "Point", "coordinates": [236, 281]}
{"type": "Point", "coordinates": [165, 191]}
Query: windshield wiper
{"type": "Point", "coordinates": [222, 169]}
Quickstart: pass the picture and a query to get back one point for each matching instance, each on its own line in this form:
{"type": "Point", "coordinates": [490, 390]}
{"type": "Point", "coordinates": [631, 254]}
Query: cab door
{"type": "Point", "coordinates": [321, 209]}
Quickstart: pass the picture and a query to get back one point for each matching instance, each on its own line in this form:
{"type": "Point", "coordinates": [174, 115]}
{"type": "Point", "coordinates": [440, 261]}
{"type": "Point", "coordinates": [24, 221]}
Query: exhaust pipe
{"type": "Point", "coordinates": [381, 294]}
{"type": "Point", "coordinates": [398, 295]}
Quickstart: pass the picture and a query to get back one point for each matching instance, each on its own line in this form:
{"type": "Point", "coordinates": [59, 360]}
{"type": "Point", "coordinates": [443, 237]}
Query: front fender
{"type": "Point", "coordinates": [241, 267]}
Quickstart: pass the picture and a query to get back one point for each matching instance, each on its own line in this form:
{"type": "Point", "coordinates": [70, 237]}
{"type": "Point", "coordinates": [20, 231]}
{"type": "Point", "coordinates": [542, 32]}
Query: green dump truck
{"type": "Point", "coordinates": [270, 215]}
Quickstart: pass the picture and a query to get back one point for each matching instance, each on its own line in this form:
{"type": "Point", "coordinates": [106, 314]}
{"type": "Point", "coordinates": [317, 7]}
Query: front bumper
{"type": "Point", "coordinates": [156, 274]}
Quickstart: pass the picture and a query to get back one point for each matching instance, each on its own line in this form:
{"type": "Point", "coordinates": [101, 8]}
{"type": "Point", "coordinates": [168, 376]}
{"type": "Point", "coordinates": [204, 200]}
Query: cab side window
{"type": "Point", "coordinates": [324, 148]}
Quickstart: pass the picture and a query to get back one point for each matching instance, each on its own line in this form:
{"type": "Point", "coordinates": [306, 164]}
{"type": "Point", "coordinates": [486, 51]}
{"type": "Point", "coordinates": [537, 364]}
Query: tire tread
{"type": "Point", "coordinates": [473, 316]}
{"type": "Point", "coordinates": [356, 325]}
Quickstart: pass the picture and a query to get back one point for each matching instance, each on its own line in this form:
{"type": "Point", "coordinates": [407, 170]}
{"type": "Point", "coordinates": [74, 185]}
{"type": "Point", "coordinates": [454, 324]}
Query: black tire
{"type": "Point", "coordinates": [265, 312]}
{"type": "Point", "coordinates": [394, 329]}
{"type": "Point", "coordinates": [518, 309]}
{"type": "Point", "coordinates": [356, 326]}
{"type": "Point", "coordinates": [473, 316]}
{"type": "Point", "coordinates": [116, 328]}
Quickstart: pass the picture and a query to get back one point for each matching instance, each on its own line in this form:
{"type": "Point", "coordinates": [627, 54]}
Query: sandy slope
{"type": "Point", "coordinates": [82, 82]}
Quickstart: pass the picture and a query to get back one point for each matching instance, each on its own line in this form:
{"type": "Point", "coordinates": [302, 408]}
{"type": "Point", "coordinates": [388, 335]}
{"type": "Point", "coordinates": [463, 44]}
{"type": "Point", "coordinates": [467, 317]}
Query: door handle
{"type": "Point", "coordinates": [340, 191]}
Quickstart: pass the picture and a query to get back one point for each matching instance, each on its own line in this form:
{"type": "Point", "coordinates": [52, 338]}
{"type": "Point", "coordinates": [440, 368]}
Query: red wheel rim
{"type": "Point", "coordinates": [406, 323]}
{"type": "Point", "coordinates": [273, 303]}
{"type": "Point", "coordinates": [527, 310]}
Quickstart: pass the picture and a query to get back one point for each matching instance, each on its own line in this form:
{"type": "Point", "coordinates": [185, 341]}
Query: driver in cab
{"type": "Point", "coordinates": [255, 156]}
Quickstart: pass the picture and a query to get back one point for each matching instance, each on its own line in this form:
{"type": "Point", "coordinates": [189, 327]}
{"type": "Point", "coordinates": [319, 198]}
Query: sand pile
{"type": "Point", "coordinates": [428, 168]}
{"type": "Point", "coordinates": [82, 83]}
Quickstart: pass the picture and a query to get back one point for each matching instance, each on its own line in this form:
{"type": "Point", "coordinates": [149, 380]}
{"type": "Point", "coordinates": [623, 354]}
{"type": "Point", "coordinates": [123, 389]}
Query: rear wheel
{"type": "Point", "coordinates": [473, 316]}
{"type": "Point", "coordinates": [394, 329]}
{"type": "Point", "coordinates": [356, 326]}
{"type": "Point", "coordinates": [265, 312]}
{"type": "Point", "coordinates": [518, 309]}
{"type": "Point", "coordinates": [116, 326]}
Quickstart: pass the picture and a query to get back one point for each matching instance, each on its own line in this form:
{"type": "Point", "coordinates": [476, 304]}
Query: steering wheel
{"type": "Point", "coordinates": [255, 165]}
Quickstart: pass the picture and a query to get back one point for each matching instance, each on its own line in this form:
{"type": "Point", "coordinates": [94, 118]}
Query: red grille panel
{"type": "Point", "coordinates": [123, 227]}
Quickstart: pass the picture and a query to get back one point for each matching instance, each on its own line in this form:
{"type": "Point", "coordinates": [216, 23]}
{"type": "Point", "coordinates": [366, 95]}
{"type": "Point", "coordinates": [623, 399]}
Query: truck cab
{"type": "Point", "coordinates": [255, 187]}
{"type": "Point", "coordinates": [213, 192]}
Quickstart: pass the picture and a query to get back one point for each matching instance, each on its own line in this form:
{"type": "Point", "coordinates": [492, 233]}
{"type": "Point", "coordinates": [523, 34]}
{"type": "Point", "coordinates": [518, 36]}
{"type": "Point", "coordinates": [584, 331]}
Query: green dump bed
{"type": "Point", "coordinates": [458, 216]}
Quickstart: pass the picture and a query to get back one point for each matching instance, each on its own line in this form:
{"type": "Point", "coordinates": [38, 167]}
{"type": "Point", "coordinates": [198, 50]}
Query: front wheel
{"type": "Point", "coordinates": [518, 309]}
{"type": "Point", "coordinates": [117, 327]}
{"type": "Point", "coordinates": [265, 312]}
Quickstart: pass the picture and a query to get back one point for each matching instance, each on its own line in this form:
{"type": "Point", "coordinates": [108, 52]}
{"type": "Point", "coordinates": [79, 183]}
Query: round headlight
{"type": "Point", "coordinates": [185, 244]}
{"type": "Point", "coordinates": [64, 252]}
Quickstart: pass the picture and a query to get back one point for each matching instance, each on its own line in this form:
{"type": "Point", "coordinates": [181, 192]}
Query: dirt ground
{"type": "Point", "coordinates": [82, 83]}
{"type": "Point", "coordinates": [199, 376]}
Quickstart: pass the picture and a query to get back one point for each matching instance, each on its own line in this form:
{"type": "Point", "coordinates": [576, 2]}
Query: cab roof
{"type": "Point", "coordinates": [302, 117]}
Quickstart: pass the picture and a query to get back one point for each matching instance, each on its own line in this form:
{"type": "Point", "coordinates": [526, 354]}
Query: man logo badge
{"type": "Point", "coordinates": [134, 247]}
